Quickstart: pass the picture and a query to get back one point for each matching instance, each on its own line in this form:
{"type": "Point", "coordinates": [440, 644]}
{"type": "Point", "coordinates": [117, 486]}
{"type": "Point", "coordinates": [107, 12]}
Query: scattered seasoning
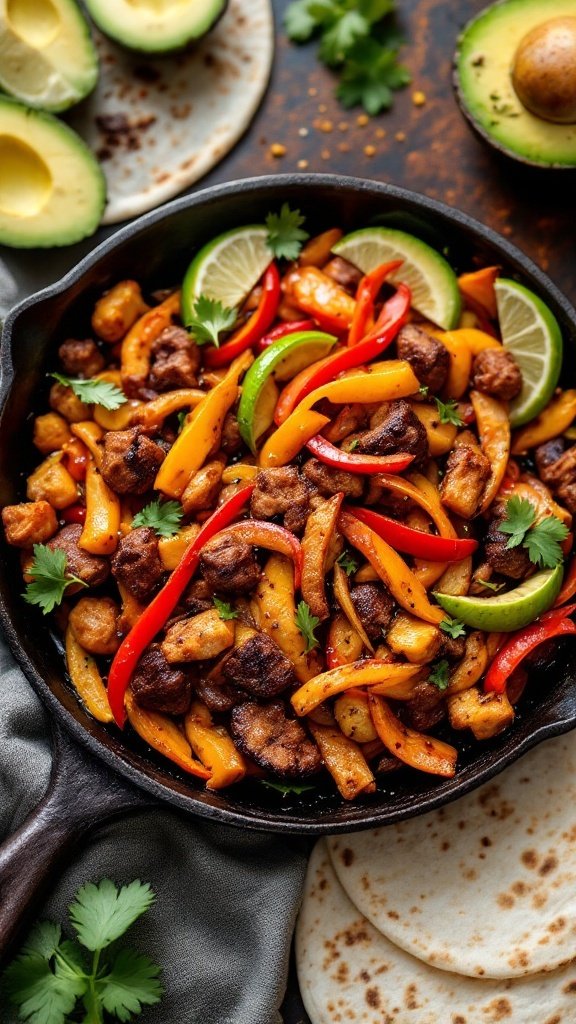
{"type": "Point", "coordinates": [326, 126]}
{"type": "Point", "coordinates": [303, 132]}
{"type": "Point", "coordinates": [312, 92]}
{"type": "Point", "coordinates": [400, 136]}
{"type": "Point", "coordinates": [344, 147]}
{"type": "Point", "coordinates": [380, 133]}
{"type": "Point", "coordinates": [325, 154]}
{"type": "Point", "coordinates": [302, 165]}
{"type": "Point", "coordinates": [277, 149]}
{"type": "Point", "coordinates": [322, 108]}
{"type": "Point", "coordinates": [362, 120]}
{"type": "Point", "coordinates": [418, 98]}
{"type": "Point", "coordinates": [343, 126]}
{"type": "Point", "coordinates": [369, 150]}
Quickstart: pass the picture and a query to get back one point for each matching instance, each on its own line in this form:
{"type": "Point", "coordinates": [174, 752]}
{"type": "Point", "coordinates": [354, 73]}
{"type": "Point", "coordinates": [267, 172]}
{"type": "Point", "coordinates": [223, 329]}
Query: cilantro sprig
{"type": "Point", "coordinates": [163, 516]}
{"type": "Point", "coordinates": [52, 973]}
{"type": "Point", "coordinates": [440, 675]}
{"type": "Point", "coordinates": [307, 623]}
{"type": "Point", "coordinates": [280, 787]}
{"type": "Point", "coordinates": [285, 233]}
{"type": "Point", "coordinates": [348, 563]}
{"type": "Point", "coordinates": [225, 611]}
{"type": "Point", "coordinates": [542, 540]}
{"type": "Point", "coordinates": [211, 318]}
{"type": "Point", "coordinates": [356, 39]}
{"type": "Point", "coordinates": [448, 412]}
{"type": "Point", "coordinates": [453, 628]}
{"type": "Point", "coordinates": [50, 578]}
{"type": "Point", "coordinates": [93, 391]}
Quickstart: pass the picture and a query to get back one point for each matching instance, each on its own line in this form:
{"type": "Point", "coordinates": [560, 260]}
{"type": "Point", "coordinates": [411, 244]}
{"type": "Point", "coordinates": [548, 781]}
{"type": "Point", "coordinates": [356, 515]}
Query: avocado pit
{"type": "Point", "coordinates": [544, 70]}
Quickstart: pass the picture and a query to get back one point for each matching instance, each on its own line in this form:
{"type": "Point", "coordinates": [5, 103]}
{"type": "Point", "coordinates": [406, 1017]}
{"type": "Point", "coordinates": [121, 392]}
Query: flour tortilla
{"type": "Point", "coordinates": [177, 116]}
{"type": "Point", "coordinates": [486, 886]}
{"type": "Point", "coordinates": [348, 971]}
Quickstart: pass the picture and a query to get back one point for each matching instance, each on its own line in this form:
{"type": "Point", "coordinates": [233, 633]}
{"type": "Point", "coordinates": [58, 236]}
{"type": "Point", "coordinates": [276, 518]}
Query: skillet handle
{"type": "Point", "coordinates": [81, 796]}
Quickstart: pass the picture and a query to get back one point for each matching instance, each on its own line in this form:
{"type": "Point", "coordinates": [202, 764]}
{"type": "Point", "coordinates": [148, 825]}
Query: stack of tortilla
{"type": "Point", "coordinates": [463, 916]}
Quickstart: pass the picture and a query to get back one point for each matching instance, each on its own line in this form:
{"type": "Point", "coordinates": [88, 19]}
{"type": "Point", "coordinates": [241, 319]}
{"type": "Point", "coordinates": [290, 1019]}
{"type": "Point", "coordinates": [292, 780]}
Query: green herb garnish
{"type": "Point", "coordinates": [440, 674]}
{"type": "Point", "coordinates": [453, 627]}
{"type": "Point", "coordinates": [49, 578]}
{"type": "Point", "coordinates": [307, 623]}
{"type": "Point", "coordinates": [162, 516]}
{"type": "Point", "coordinates": [225, 611]}
{"type": "Point", "coordinates": [285, 790]}
{"type": "Point", "coordinates": [93, 391]}
{"type": "Point", "coordinates": [285, 234]}
{"type": "Point", "coordinates": [541, 539]}
{"type": "Point", "coordinates": [348, 563]}
{"type": "Point", "coordinates": [448, 412]}
{"type": "Point", "coordinates": [210, 319]}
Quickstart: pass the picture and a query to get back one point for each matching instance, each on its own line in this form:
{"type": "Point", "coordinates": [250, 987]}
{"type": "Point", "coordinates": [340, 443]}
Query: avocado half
{"type": "Point", "coordinates": [483, 84]}
{"type": "Point", "coordinates": [47, 57]}
{"type": "Point", "coordinates": [52, 190]}
{"type": "Point", "coordinates": [151, 27]}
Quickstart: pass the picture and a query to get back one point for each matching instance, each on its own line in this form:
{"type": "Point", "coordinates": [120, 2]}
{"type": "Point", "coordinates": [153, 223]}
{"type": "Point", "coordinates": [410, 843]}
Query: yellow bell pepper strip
{"type": "Point", "coordinates": [102, 524]}
{"type": "Point", "coordinates": [393, 571]}
{"type": "Point", "coordinates": [239, 471]}
{"type": "Point", "coordinates": [441, 436]}
{"type": "Point", "coordinates": [263, 534]}
{"type": "Point", "coordinates": [318, 250]}
{"type": "Point", "coordinates": [171, 549]}
{"type": "Point", "coordinates": [429, 500]}
{"type": "Point", "coordinates": [162, 734]}
{"type": "Point", "coordinates": [494, 432]}
{"type": "Point", "coordinates": [395, 679]}
{"type": "Point", "coordinates": [320, 297]}
{"type": "Point", "coordinates": [90, 434]}
{"type": "Point", "coordinates": [274, 610]}
{"type": "Point", "coordinates": [86, 678]}
{"type": "Point", "coordinates": [366, 295]}
{"type": "Point", "coordinates": [342, 595]}
{"type": "Point", "coordinates": [137, 345]}
{"type": "Point", "coordinates": [132, 609]}
{"type": "Point", "coordinates": [160, 608]}
{"type": "Point", "coordinates": [344, 760]}
{"type": "Point", "coordinates": [201, 432]}
{"type": "Point", "coordinates": [117, 419]}
{"type": "Point", "coordinates": [288, 440]}
{"type": "Point", "coordinates": [477, 289]}
{"type": "Point", "coordinates": [460, 367]}
{"type": "Point", "coordinates": [152, 414]}
{"type": "Point", "coordinates": [318, 534]}
{"type": "Point", "coordinates": [413, 748]}
{"type": "Point", "coordinates": [474, 340]}
{"type": "Point", "coordinates": [343, 644]}
{"type": "Point", "coordinates": [212, 744]}
{"type": "Point", "coordinates": [552, 421]}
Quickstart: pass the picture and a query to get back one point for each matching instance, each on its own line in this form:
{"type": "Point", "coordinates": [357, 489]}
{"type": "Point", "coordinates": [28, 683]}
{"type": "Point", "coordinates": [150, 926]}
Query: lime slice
{"type": "Point", "coordinates": [227, 268]}
{"type": "Point", "coordinates": [531, 334]}
{"type": "Point", "coordinates": [281, 361]}
{"type": "Point", "coordinates": [430, 278]}
{"type": "Point", "coordinates": [504, 613]}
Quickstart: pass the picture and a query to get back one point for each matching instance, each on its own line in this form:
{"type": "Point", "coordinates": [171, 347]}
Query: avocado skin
{"type": "Point", "coordinates": [511, 148]}
{"type": "Point", "coordinates": [154, 50]}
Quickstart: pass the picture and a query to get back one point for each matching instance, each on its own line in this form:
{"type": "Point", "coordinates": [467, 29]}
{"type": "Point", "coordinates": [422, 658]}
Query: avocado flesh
{"type": "Point", "coordinates": [47, 57]}
{"type": "Point", "coordinates": [155, 26]}
{"type": "Point", "coordinates": [52, 190]}
{"type": "Point", "coordinates": [483, 80]}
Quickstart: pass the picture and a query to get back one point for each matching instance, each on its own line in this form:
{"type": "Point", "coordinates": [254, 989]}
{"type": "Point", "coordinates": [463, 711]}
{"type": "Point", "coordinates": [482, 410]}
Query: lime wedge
{"type": "Point", "coordinates": [227, 268]}
{"type": "Point", "coordinates": [504, 613]}
{"type": "Point", "coordinates": [281, 361]}
{"type": "Point", "coordinates": [431, 279]}
{"type": "Point", "coordinates": [531, 334]}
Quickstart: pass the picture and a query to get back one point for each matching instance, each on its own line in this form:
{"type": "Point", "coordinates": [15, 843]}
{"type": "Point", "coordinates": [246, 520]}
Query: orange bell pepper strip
{"type": "Point", "coordinates": [478, 286]}
{"type": "Point", "coordinates": [270, 536]}
{"type": "Point", "coordinates": [425, 496]}
{"type": "Point", "coordinates": [398, 680]}
{"type": "Point", "coordinates": [460, 365]}
{"type": "Point", "coordinates": [474, 340]}
{"type": "Point", "coordinates": [343, 644]}
{"type": "Point", "coordinates": [212, 744]}
{"type": "Point", "coordinates": [103, 513]}
{"type": "Point", "coordinates": [391, 568]}
{"type": "Point", "coordinates": [344, 760]}
{"type": "Point", "coordinates": [86, 678]}
{"type": "Point", "coordinates": [342, 595]}
{"type": "Point", "coordinates": [137, 345]}
{"type": "Point", "coordinates": [318, 534]}
{"type": "Point", "coordinates": [152, 414]}
{"type": "Point", "coordinates": [285, 443]}
{"type": "Point", "coordinates": [320, 297]}
{"type": "Point", "coordinates": [202, 430]}
{"type": "Point", "coordinates": [494, 432]}
{"type": "Point", "coordinates": [290, 395]}
{"type": "Point", "coordinates": [162, 734]}
{"type": "Point", "coordinates": [90, 433]}
{"type": "Point", "coordinates": [239, 471]}
{"type": "Point", "coordinates": [317, 251]}
{"type": "Point", "coordinates": [552, 421]}
{"type": "Point", "coordinates": [413, 748]}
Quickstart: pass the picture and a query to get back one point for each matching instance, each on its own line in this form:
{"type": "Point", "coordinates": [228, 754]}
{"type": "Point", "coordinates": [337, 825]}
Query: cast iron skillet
{"type": "Point", "coordinates": [99, 772]}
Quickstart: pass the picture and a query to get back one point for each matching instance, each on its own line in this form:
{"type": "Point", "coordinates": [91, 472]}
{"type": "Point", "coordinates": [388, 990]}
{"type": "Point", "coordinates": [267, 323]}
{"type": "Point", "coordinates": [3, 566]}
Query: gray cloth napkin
{"type": "Point", "coordinates": [227, 899]}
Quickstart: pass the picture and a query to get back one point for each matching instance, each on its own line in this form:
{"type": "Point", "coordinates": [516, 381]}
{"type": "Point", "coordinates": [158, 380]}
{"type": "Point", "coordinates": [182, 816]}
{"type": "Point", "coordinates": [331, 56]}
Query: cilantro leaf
{"type": "Point", "coordinates": [453, 627]}
{"type": "Point", "coordinates": [353, 444]}
{"type": "Point", "coordinates": [543, 541]}
{"type": "Point", "coordinates": [102, 913]}
{"type": "Point", "coordinates": [225, 610]}
{"type": "Point", "coordinates": [491, 586]}
{"type": "Point", "coordinates": [131, 983]}
{"type": "Point", "coordinates": [348, 563]}
{"type": "Point", "coordinates": [43, 940]}
{"type": "Point", "coordinates": [440, 674]}
{"type": "Point", "coordinates": [448, 412]}
{"type": "Point", "coordinates": [307, 623]}
{"type": "Point", "coordinates": [370, 74]}
{"type": "Point", "coordinates": [285, 790]}
{"type": "Point", "coordinates": [210, 319]}
{"type": "Point", "coordinates": [40, 996]}
{"type": "Point", "coordinates": [182, 419]}
{"type": "Point", "coordinates": [338, 40]}
{"type": "Point", "coordinates": [303, 17]}
{"type": "Point", "coordinates": [93, 391]}
{"type": "Point", "coordinates": [285, 234]}
{"type": "Point", "coordinates": [163, 516]}
{"type": "Point", "coordinates": [520, 515]}
{"type": "Point", "coordinates": [49, 578]}
{"type": "Point", "coordinates": [375, 10]}
{"type": "Point", "coordinates": [424, 390]}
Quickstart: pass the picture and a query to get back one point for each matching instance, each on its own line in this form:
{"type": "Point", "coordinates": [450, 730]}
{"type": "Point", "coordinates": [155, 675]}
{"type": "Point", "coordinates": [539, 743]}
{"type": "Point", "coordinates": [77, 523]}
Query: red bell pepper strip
{"type": "Point", "coordinates": [415, 542]}
{"type": "Point", "coordinates": [569, 585]}
{"type": "Point", "coordinates": [291, 327]}
{"type": "Point", "coordinates": [333, 456]}
{"type": "Point", "coordinates": [551, 624]}
{"type": "Point", "coordinates": [74, 514]}
{"type": "Point", "coordinates": [271, 536]}
{"type": "Point", "coordinates": [255, 327]}
{"type": "Point", "coordinates": [366, 294]}
{"type": "Point", "coordinates": [161, 607]}
{"type": "Point", "coordinates": [393, 316]}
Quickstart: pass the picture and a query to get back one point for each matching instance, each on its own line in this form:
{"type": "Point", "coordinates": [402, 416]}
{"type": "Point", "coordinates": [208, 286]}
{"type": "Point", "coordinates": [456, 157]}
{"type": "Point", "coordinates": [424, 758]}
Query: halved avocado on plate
{"type": "Point", "coordinates": [47, 57]}
{"type": "Point", "coordinates": [155, 26]}
{"type": "Point", "coordinates": [52, 190]}
{"type": "Point", "coordinates": [484, 63]}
